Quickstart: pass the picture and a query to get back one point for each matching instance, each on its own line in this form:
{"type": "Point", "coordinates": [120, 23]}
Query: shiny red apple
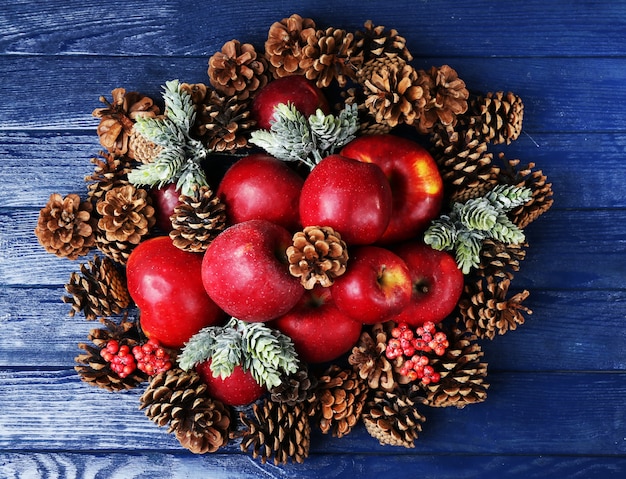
{"type": "Point", "coordinates": [319, 331]}
{"type": "Point", "coordinates": [437, 284]}
{"type": "Point", "coordinates": [295, 89]}
{"type": "Point", "coordinates": [416, 184]}
{"type": "Point", "coordinates": [351, 196]}
{"type": "Point", "coordinates": [238, 389]}
{"type": "Point", "coordinates": [261, 187]}
{"type": "Point", "coordinates": [165, 283]}
{"type": "Point", "coordinates": [375, 287]}
{"type": "Point", "coordinates": [245, 271]}
{"type": "Point", "coordinates": [164, 200]}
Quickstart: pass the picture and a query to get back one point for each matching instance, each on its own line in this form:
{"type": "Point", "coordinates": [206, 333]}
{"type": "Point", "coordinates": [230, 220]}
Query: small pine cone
{"type": "Point", "coordinates": [391, 417]}
{"type": "Point", "coordinates": [375, 41]}
{"type": "Point", "coordinates": [179, 399]}
{"type": "Point", "coordinates": [498, 116]}
{"type": "Point", "coordinates": [277, 431]}
{"type": "Point", "coordinates": [223, 122]}
{"type": "Point", "coordinates": [295, 388]}
{"type": "Point", "coordinates": [318, 255]}
{"type": "Point", "coordinates": [126, 214]}
{"type": "Point", "coordinates": [237, 70]}
{"type": "Point", "coordinates": [487, 310]}
{"type": "Point", "coordinates": [142, 149]}
{"type": "Point", "coordinates": [285, 42]}
{"type": "Point", "coordinates": [197, 220]}
{"type": "Point", "coordinates": [117, 118]}
{"type": "Point", "coordinates": [341, 395]}
{"type": "Point", "coordinates": [327, 56]}
{"type": "Point", "coordinates": [369, 361]}
{"type": "Point", "coordinates": [99, 290]}
{"type": "Point", "coordinates": [462, 373]}
{"type": "Point", "coordinates": [65, 226]}
{"type": "Point", "coordinates": [499, 259]}
{"type": "Point", "coordinates": [446, 97]}
{"type": "Point", "coordinates": [110, 172]}
{"type": "Point", "coordinates": [92, 367]}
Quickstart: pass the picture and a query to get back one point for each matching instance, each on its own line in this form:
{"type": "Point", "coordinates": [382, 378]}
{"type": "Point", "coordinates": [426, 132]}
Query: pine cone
{"type": "Point", "coordinates": [367, 124]}
{"type": "Point", "coordinates": [462, 374]}
{"type": "Point", "coordinates": [223, 122]}
{"type": "Point", "coordinates": [65, 226]}
{"type": "Point", "coordinates": [142, 149]}
{"type": "Point", "coordinates": [126, 214]}
{"type": "Point", "coordinates": [197, 92]}
{"type": "Point", "coordinates": [498, 116]}
{"type": "Point", "coordinates": [92, 367]}
{"type": "Point", "coordinates": [369, 361]}
{"type": "Point", "coordinates": [180, 399]}
{"type": "Point", "coordinates": [393, 95]}
{"type": "Point", "coordinates": [327, 56]}
{"type": "Point", "coordinates": [488, 311]}
{"type": "Point", "coordinates": [237, 70]}
{"type": "Point", "coordinates": [197, 220]}
{"type": "Point", "coordinates": [341, 395]}
{"type": "Point", "coordinates": [278, 431]}
{"type": "Point", "coordinates": [117, 118]}
{"type": "Point", "coordinates": [391, 417]}
{"type": "Point", "coordinates": [98, 291]}
{"type": "Point", "coordinates": [318, 255]}
{"type": "Point", "coordinates": [296, 388]}
{"type": "Point", "coordinates": [110, 172]}
{"type": "Point", "coordinates": [446, 97]}
{"type": "Point", "coordinates": [285, 42]}
{"type": "Point", "coordinates": [500, 259]}
{"type": "Point", "coordinates": [375, 41]}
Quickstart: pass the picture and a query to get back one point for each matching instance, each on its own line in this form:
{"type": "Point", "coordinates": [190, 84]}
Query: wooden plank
{"type": "Point", "coordinates": [229, 466]}
{"type": "Point", "coordinates": [532, 28]}
{"type": "Point", "coordinates": [53, 410]}
{"type": "Point", "coordinates": [550, 87]}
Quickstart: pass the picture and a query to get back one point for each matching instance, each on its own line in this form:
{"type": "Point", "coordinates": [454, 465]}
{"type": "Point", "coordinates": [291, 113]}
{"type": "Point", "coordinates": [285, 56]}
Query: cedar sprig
{"type": "Point", "coordinates": [294, 137]}
{"type": "Point", "coordinates": [181, 155]}
{"type": "Point", "coordinates": [267, 353]}
{"type": "Point", "coordinates": [477, 219]}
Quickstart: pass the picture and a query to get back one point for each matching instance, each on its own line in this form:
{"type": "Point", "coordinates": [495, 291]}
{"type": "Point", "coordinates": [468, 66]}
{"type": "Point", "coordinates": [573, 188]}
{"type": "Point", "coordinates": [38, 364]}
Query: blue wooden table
{"type": "Point", "coordinates": [556, 405]}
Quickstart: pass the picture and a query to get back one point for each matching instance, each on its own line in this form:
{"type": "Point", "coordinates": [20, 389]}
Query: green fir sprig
{"type": "Point", "coordinates": [294, 137]}
{"type": "Point", "coordinates": [478, 219]}
{"type": "Point", "coordinates": [267, 353]}
{"type": "Point", "coordinates": [181, 156]}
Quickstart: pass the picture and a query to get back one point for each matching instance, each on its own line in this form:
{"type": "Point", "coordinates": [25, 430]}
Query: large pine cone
{"type": "Point", "coordinates": [126, 214]}
{"type": "Point", "coordinates": [65, 226]}
{"type": "Point", "coordinates": [500, 259]}
{"type": "Point", "coordinates": [180, 399]}
{"type": "Point", "coordinates": [285, 42]}
{"type": "Point", "coordinates": [110, 172]}
{"type": "Point", "coordinates": [498, 116]}
{"type": "Point", "coordinates": [375, 41]}
{"type": "Point", "coordinates": [328, 56]}
{"type": "Point", "coordinates": [369, 361]}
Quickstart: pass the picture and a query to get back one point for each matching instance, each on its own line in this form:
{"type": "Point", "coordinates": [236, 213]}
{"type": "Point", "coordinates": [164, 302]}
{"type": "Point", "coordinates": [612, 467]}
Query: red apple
{"type": "Point", "coordinates": [295, 89]}
{"type": "Point", "coordinates": [351, 196]}
{"type": "Point", "coordinates": [437, 284]}
{"type": "Point", "coordinates": [165, 282]}
{"type": "Point", "coordinates": [164, 200]}
{"type": "Point", "coordinates": [238, 389]}
{"type": "Point", "coordinates": [319, 331]}
{"type": "Point", "coordinates": [375, 287]}
{"type": "Point", "coordinates": [245, 271]}
{"type": "Point", "coordinates": [261, 187]}
{"type": "Point", "coordinates": [416, 184]}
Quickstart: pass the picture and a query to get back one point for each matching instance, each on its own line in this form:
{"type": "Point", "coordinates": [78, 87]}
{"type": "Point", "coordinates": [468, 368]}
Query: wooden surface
{"type": "Point", "coordinates": [556, 406]}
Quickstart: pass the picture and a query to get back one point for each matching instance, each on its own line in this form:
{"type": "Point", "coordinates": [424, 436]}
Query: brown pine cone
{"type": "Point", "coordinates": [327, 56]}
{"type": "Point", "coordinates": [285, 42]}
{"type": "Point", "coordinates": [375, 41]}
{"type": "Point", "coordinates": [369, 361]}
{"type": "Point", "coordinates": [65, 226]}
{"type": "Point", "coordinates": [277, 431]}
{"type": "Point", "coordinates": [99, 290]}
{"type": "Point", "coordinates": [488, 310]}
{"type": "Point", "coordinates": [391, 417]}
{"type": "Point", "coordinates": [295, 388]}
{"type": "Point", "coordinates": [197, 220]}
{"type": "Point", "coordinates": [110, 172]}
{"type": "Point", "coordinates": [197, 92]}
{"type": "Point", "coordinates": [142, 149]}
{"type": "Point", "coordinates": [462, 373]}
{"type": "Point", "coordinates": [341, 395]}
{"type": "Point", "coordinates": [180, 399]}
{"type": "Point", "coordinates": [126, 214]}
{"type": "Point", "coordinates": [117, 118]}
{"type": "Point", "coordinates": [95, 370]}
{"type": "Point", "coordinates": [367, 124]}
{"type": "Point", "coordinates": [318, 255]}
{"type": "Point", "coordinates": [498, 116]}
{"type": "Point", "coordinates": [446, 97]}
{"type": "Point", "coordinates": [500, 259]}
{"type": "Point", "coordinates": [237, 70]}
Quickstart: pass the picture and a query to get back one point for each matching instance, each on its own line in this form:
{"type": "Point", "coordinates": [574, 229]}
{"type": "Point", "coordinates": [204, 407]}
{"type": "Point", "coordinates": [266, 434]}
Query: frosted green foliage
{"type": "Point", "coordinates": [293, 137]}
{"type": "Point", "coordinates": [470, 223]}
{"type": "Point", "coordinates": [181, 156]}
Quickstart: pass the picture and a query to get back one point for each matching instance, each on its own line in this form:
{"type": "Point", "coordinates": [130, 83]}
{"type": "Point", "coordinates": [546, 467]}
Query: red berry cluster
{"type": "Point", "coordinates": [413, 345]}
{"type": "Point", "coordinates": [149, 358]}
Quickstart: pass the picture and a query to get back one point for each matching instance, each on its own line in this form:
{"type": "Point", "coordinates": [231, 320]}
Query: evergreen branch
{"type": "Point", "coordinates": [161, 131]}
{"type": "Point", "coordinates": [332, 132]}
{"type": "Point", "coordinates": [468, 246]}
{"type": "Point", "coordinates": [442, 234]}
{"type": "Point", "coordinates": [198, 349]}
{"type": "Point", "coordinates": [166, 166]}
{"type": "Point", "coordinates": [476, 214]}
{"type": "Point", "coordinates": [179, 106]}
{"type": "Point", "coordinates": [507, 197]}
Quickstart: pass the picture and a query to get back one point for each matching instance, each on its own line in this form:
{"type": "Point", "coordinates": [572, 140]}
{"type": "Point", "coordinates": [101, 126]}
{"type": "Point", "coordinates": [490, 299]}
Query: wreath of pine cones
{"type": "Point", "coordinates": [372, 68]}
